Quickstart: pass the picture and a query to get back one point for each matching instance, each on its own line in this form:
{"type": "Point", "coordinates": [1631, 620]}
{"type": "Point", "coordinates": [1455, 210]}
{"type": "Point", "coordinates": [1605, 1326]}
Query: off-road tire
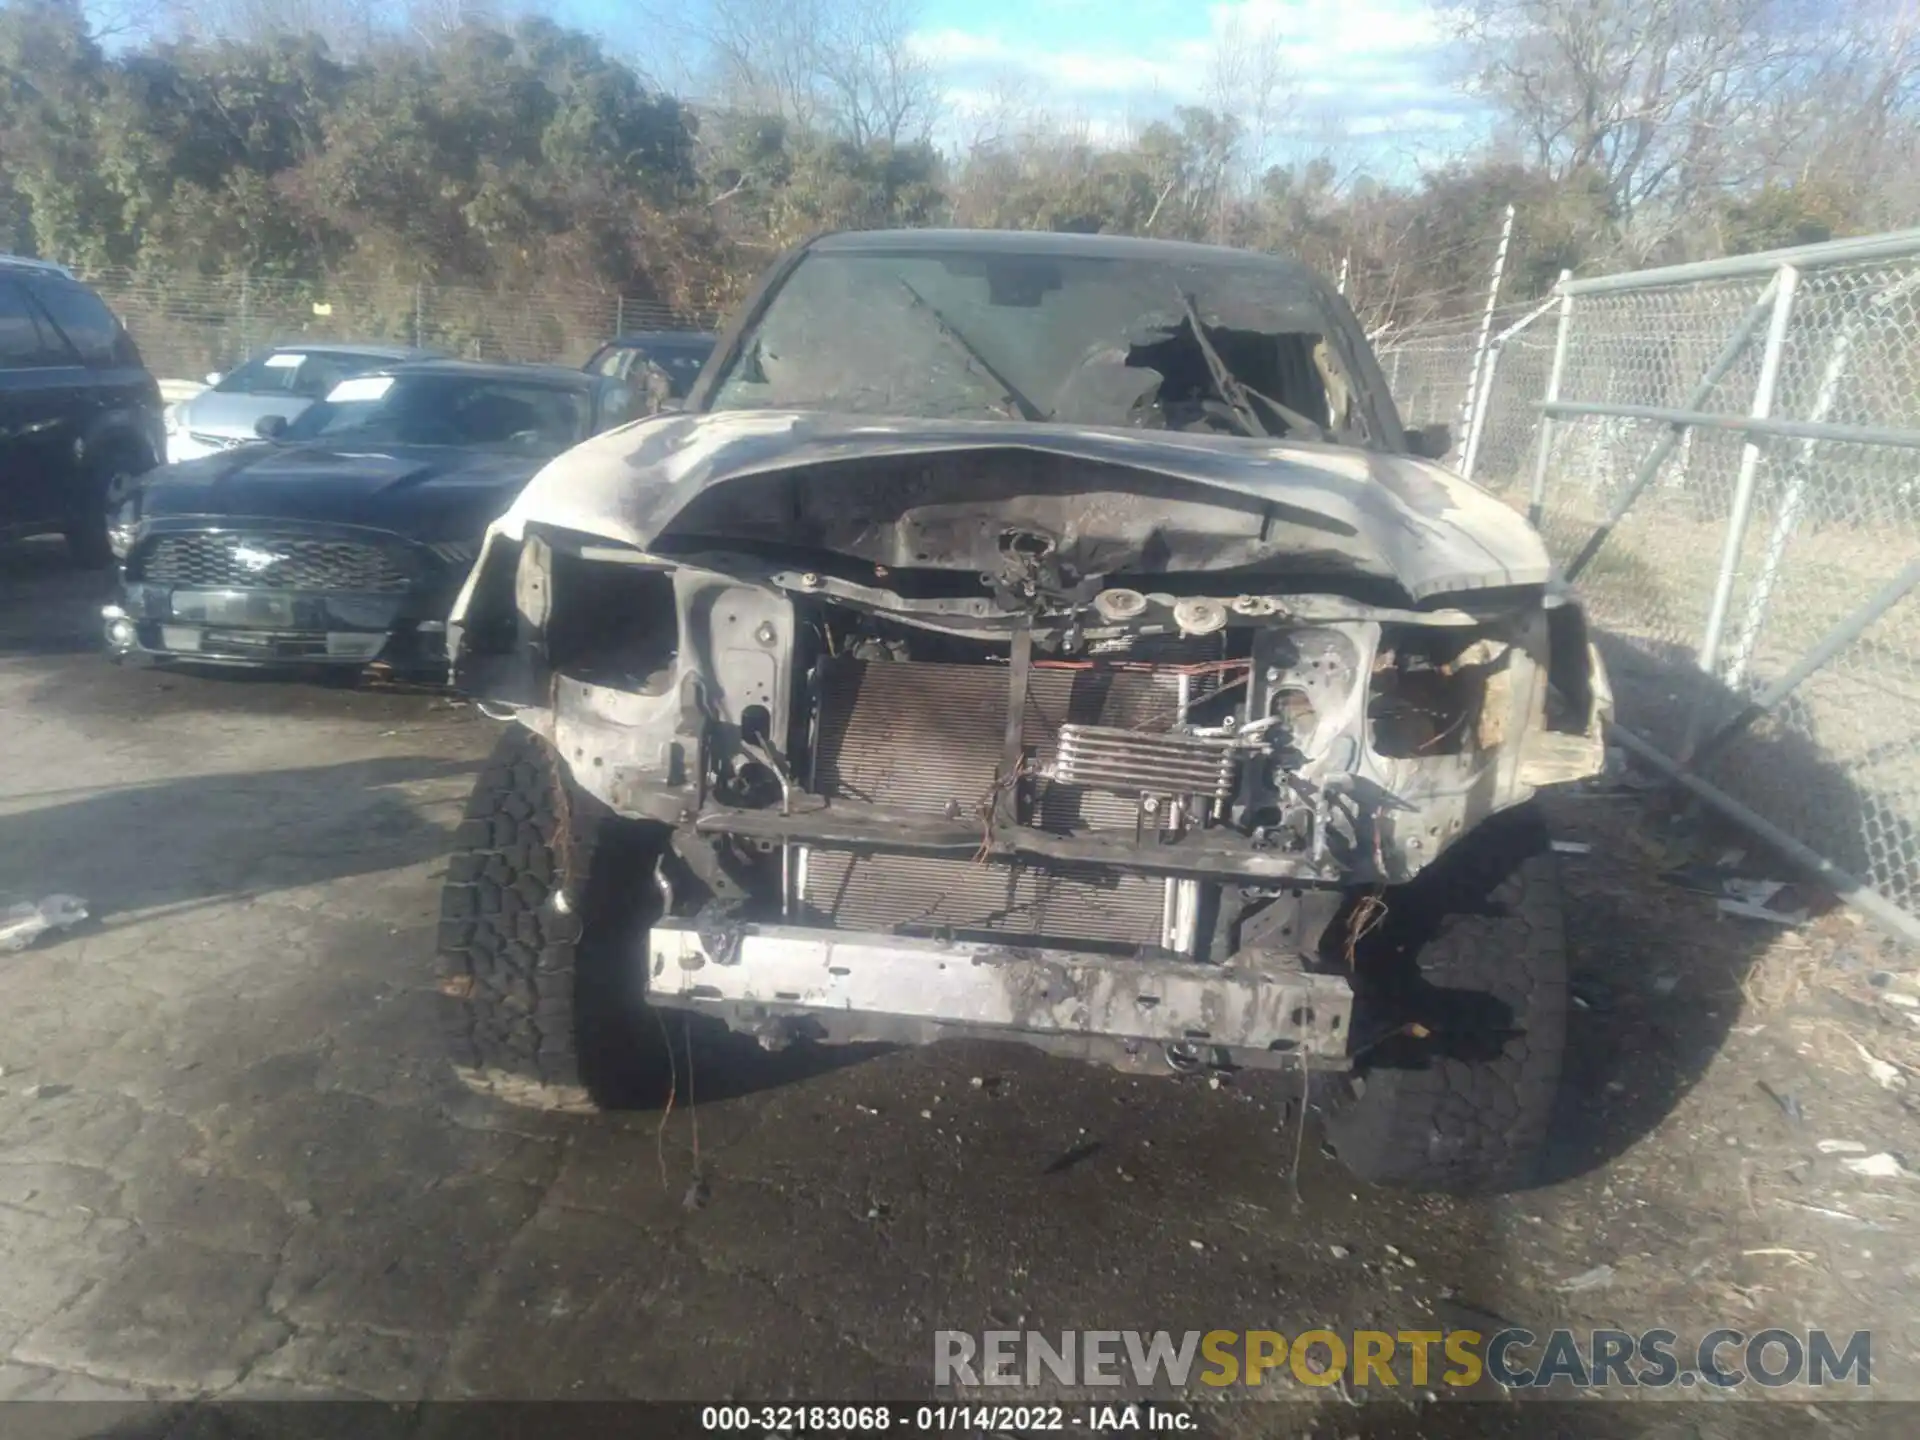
{"type": "Point", "coordinates": [542, 920]}
{"type": "Point", "coordinates": [1474, 951]}
{"type": "Point", "coordinates": [118, 462]}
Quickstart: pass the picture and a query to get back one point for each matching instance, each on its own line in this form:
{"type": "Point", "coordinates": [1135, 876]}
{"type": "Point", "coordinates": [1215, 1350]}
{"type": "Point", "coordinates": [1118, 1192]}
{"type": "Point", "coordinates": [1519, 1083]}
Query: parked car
{"type": "Point", "coordinates": [342, 537]}
{"type": "Point", "coordinates": [1052, 638]}
{"type": "Point", "coordinates": [670, 358]}
{"type": "Point", "coordinates": [79, 414]}
{"type": "Point", "coordinates": [282, 381]}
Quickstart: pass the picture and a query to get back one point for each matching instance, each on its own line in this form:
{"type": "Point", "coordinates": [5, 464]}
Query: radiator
{"type": "Point", "coordinates": [928, 738]}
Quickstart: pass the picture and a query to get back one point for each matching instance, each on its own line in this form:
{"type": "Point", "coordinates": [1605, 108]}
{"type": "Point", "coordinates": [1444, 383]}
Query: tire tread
{"type": "Point", "coordinates": [506, 950]}
{"type": "Point", "coordinates": [1476, 1125]}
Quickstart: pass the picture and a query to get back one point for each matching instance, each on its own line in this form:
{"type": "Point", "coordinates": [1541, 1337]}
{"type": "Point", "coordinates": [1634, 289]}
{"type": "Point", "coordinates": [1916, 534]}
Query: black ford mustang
{"type": "Point", "coordinates": [342, 537]}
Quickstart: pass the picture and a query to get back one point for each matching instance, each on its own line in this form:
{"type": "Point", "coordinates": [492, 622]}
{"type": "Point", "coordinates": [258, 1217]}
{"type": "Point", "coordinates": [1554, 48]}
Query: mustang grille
{"type": "Point", "coordinates": [224, 562]}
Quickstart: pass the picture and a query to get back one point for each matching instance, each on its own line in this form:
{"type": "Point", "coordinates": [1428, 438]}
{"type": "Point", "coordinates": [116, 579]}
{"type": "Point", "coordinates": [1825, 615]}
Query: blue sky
{"type": "Point", "coordinates": [1374, 74]}
{"type": "Point", "coordinates": [1373, 82]}
{"type": "Point", "coordinates": [1372, 79]}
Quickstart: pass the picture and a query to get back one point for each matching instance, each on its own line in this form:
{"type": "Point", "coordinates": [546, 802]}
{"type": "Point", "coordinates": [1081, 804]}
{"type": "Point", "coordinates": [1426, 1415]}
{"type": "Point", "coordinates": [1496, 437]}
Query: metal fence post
{"type": "Point", "coordinates": [1742, 507]}
{"type": "Point", "coordinates": [419, 328]}
{"type": "Point", "coordinates": [1656, 458]}
{"type": "Point", "coordinates": [1787, 518]}
{"type": "Point", "coordinates": [620, 314]}
{"type": "Point", "coordinates": [1480, 350]}
{"type": "Point", "coordinates": [246, 339]}
{"type": "Point", "coordinates": [1536, 499]}
{"type": "Point", "coordinates": [1476, 427]}
{"type": "Point", "coordinates": [1477, 417]}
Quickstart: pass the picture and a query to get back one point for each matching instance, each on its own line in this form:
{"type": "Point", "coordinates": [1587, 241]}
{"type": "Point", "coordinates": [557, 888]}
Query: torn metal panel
{"type": "Point", "coordinates": [915, 758]}
{"type": "Point", "coordinates": [639, 752]}
{"type": "Point", "coordinates": [1554, 757]}
{"type": "Point", "coordinates": [532, 583]}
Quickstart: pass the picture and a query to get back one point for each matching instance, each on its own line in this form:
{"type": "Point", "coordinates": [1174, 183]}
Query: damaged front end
{"type": "Point", "coordinates": [1097, 760]}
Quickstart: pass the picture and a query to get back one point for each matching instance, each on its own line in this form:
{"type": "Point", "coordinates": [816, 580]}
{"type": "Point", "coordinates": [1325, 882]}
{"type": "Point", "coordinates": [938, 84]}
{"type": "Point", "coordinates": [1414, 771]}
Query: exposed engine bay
{"type": "Point", "coordinates": [875, 760]}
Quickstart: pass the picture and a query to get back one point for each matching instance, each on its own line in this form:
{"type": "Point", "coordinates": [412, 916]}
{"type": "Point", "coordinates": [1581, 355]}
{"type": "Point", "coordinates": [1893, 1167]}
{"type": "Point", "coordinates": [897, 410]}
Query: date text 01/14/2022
{"type": "Point", "coordinates": [942, 1419]}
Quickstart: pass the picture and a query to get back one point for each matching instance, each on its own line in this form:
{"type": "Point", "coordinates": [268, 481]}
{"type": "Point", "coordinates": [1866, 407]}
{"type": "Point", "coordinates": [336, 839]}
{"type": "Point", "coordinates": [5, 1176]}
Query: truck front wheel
{"type": "Point", "coordinates": [542, 922]}
{"type": "Point", "coordinates": [1460, 1019]}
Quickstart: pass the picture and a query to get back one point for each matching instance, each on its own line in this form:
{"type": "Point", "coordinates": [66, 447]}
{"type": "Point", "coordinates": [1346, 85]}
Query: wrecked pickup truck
{"type": "Point", "coordinates": [1054, 638]}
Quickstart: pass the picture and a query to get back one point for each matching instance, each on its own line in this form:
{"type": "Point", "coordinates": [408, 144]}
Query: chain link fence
{"type": "Point", "coordinates": [187, 326]}
{"type": "Point", "coordinates": [1727, 463]}
{"type": "Point", "coordinates": [1430, 370]}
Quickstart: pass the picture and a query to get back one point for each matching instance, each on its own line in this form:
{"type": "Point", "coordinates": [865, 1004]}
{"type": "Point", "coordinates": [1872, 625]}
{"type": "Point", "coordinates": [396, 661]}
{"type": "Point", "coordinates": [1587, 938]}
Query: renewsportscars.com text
{"type": "Point", "coordinates": [1515, 1359]}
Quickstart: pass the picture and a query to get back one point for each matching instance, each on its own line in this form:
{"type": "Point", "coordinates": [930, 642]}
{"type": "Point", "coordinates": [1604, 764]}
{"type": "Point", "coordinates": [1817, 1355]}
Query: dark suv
{"type": "Point", "coordinates": [80, 417]}
{"type": "Point", "coordinates": [671, 357]}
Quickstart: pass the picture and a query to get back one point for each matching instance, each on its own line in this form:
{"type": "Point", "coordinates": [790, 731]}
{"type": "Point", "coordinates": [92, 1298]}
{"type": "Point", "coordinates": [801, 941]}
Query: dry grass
{"type": "Point", "coordinates": [1786, 972]}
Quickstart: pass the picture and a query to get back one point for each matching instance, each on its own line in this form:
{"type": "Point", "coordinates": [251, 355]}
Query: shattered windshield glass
{"type": "Point", "coordinates": [1234, 348]}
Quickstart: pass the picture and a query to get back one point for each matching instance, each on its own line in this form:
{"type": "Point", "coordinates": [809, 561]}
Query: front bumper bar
{"type": "Point", "coordinates": [786, 981]}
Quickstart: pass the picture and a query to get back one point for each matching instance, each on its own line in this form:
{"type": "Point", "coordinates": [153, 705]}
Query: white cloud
{"type": "Point", "coordinates": [1401, 122]}
{"type": "Point", "coordinates": [1316, 31]}
{"type": "Point", "coordinates": [1368, 67]}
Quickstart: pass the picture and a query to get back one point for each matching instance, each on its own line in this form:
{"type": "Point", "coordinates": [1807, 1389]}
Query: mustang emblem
{"type": "Point", "coordinates": [255, 560]}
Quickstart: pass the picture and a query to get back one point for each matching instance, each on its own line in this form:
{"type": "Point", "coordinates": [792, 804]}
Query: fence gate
{"type": "Point", "coordinates": [1727, 462]}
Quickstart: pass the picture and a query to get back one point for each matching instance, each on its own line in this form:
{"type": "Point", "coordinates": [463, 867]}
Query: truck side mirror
{"type": "Point", "coordinates": [1431, 442]}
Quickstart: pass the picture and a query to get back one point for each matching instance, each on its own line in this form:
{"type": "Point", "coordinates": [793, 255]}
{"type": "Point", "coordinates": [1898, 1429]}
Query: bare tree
{"type": "Point", "coordinates": [346, 25]}
{"type": "Point", "coordinates": [433, 20]}
{"type": "Point", "coordinates": [1675, 106]}
{"type": "Point", "coordinates": [1661, 99]}
{"type": "Point", "coordinates": [126, 19]}
{"type": "Point", "coordinates": [1005, 112]}
{"type": "Point", "coordinates": [1248, 78]}
{"type": "Point", "coordinates": [843, 66]}
{"type": "Point", "coordinates": [1854, 114]}
{"type": "Point", "coordinates": [880, 87]}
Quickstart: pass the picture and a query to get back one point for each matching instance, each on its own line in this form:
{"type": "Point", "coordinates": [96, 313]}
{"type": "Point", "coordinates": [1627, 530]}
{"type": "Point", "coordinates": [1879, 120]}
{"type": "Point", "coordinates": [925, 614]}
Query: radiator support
{"type": "Point", "coordinates": [938, 740]}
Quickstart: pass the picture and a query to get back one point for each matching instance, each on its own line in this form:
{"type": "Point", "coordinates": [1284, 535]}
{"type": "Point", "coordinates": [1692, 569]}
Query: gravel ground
{"type": "Point", "coordinates": [232, 1162]}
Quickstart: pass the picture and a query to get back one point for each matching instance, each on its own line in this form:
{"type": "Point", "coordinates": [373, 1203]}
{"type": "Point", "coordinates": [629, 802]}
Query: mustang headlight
{"type": "Point", "coordinates": [122, 527]}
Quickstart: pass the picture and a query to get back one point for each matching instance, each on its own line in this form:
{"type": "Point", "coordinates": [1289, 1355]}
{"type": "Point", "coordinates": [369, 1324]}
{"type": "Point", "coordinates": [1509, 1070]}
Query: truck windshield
{"type": "Point", "coordinates": [1237, 348]}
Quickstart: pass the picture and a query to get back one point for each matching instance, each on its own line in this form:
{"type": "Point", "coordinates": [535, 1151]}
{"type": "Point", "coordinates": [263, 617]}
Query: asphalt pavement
{"type": "Point", "coordinates": [233, 1162]}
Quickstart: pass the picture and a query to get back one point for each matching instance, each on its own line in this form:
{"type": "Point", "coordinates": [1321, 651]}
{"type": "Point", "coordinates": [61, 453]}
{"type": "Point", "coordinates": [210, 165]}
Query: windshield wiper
{"type": "Point", "coordinates": [1238, 394]}
{"type": "Point", "coordinates": [1028, 410]}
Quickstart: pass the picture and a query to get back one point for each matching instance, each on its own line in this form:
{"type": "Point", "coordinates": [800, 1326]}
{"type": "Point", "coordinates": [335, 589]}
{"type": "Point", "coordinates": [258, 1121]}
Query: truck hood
{"type": "Point", "coordinates": [1101, 501]}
